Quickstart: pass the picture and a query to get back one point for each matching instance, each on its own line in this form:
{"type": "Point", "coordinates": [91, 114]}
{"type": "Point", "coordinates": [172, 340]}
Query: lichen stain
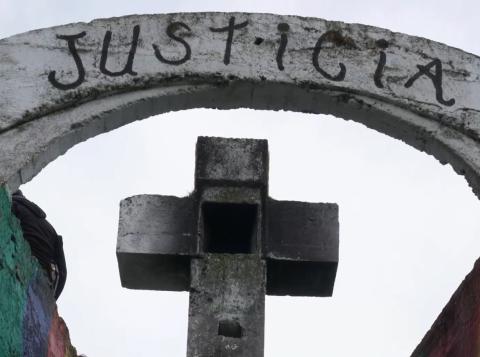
{"type": "Point", "coordinates": [338, 39]}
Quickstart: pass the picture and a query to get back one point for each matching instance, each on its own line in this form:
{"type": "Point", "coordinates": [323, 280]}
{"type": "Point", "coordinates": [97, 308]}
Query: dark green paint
{"type": "Point", "coordinates": [17, 267]}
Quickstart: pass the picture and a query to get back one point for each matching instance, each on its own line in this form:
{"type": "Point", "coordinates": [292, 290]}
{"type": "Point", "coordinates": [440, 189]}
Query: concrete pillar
{"type": "Point", "coordinates": [227, 306]}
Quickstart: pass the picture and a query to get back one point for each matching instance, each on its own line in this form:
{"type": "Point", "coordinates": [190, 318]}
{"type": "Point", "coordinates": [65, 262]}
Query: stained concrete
{"type": "Point", "coordinates": [238, 162]}
{"type": "Point", "coordinates": [228, 212]}
{"type": "Point", "coordinates": [229, 244]}
{"type": "Point", "coordinates": [422, 92]}
{"type": "Point", "coordinates": [227, 306]}
{"type": "Point", "coordinates": [302, 248]}
{"type": "Point", "coordinates": [155, 235]}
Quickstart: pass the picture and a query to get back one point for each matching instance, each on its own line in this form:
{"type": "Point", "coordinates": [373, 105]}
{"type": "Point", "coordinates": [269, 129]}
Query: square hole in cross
{"type": "Point", "coordinates": [229, 228]}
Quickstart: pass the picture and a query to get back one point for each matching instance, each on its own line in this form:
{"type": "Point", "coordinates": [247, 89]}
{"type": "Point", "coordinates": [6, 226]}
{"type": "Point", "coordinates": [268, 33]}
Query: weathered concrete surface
{"type": "Point", "coordinates": [234, 162]}
{"type": "Point", "coordinates": [456, 332]}
{"type": "Point", "coordinates": [29, 322]}
{"type": "Point", "coordinates": [227, 309]}
{"type": "Point", "coordinates": [228, 212]}
{"type": "Point", "coordinates": [155, 235]}
{"type": "Point", "coordinates": [57, 90]}
{"type": "Point", "coordinates": [302, 248]}
{"type": "Point", "coordinates": [229, 244]}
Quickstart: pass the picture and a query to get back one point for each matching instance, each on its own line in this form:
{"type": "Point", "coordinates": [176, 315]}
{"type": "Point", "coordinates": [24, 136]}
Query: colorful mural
{"type": "Point", "coordinates": [29, 322]}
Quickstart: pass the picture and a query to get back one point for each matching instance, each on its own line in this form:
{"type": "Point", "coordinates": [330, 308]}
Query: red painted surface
{"type": "Point", "coordinates": [58, 338]}
{"type": "Point", "coordinates": [456, 331]}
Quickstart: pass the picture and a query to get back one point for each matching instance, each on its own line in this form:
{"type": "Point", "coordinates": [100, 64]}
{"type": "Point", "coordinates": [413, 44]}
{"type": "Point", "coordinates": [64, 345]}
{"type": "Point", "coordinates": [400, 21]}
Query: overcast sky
{"type": "Point", "coordinates": [409, 226]}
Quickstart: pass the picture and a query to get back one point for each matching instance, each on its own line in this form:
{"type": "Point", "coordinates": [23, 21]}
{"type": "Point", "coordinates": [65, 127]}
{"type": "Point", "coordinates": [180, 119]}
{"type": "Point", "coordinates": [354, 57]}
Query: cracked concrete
{"type": "Point", "coordinates": [328, 67]}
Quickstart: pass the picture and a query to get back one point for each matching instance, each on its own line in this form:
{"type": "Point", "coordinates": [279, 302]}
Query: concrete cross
{"type": "Point", "coordinates": [229, 244]}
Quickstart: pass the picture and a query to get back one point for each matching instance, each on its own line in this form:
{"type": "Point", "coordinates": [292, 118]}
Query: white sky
{"type": "Point", "coordinates": [409, 226]}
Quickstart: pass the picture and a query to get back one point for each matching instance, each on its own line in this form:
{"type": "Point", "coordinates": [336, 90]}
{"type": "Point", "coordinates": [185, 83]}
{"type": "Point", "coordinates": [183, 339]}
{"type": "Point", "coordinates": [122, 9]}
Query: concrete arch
{"type": "Point", "coordinates": [63, 85]}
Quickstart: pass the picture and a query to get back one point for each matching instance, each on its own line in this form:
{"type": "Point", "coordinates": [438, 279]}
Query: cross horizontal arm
{"type": "Point", "coordinates": [301, 248]}
{"type": "Point", "coordinates": [155, 242]}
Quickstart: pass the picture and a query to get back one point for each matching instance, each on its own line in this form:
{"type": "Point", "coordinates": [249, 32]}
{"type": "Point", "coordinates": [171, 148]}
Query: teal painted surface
{"type": "Point", "coordinates": [17, 268]}
{"type": "Point", "coordinates": [29, 322]}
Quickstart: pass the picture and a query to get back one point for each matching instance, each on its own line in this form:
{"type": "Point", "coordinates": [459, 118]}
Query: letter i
{"type": "Point", "coordinates": [283, 28]}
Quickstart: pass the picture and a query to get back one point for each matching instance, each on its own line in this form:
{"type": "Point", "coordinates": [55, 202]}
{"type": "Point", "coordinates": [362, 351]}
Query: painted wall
{"type": "Point", "coordinates": [29, 322]}
{"type": "Point", "coordinates": [456, 332]}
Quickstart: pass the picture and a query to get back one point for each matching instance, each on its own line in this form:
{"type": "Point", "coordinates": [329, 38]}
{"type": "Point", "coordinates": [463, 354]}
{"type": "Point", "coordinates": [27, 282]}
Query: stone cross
{"type": "Point", "coordinates": [228, 244]}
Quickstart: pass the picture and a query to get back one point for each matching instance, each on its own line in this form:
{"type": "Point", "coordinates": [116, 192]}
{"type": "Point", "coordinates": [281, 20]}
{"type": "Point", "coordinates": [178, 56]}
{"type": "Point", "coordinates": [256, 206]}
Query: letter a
{"type": "Point", "coordinates": [436, 78]}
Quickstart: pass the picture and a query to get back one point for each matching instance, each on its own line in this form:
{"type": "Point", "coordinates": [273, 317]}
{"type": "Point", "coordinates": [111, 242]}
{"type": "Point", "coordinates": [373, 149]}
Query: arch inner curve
{"type": "Point", "coordinates": [89, 78]}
